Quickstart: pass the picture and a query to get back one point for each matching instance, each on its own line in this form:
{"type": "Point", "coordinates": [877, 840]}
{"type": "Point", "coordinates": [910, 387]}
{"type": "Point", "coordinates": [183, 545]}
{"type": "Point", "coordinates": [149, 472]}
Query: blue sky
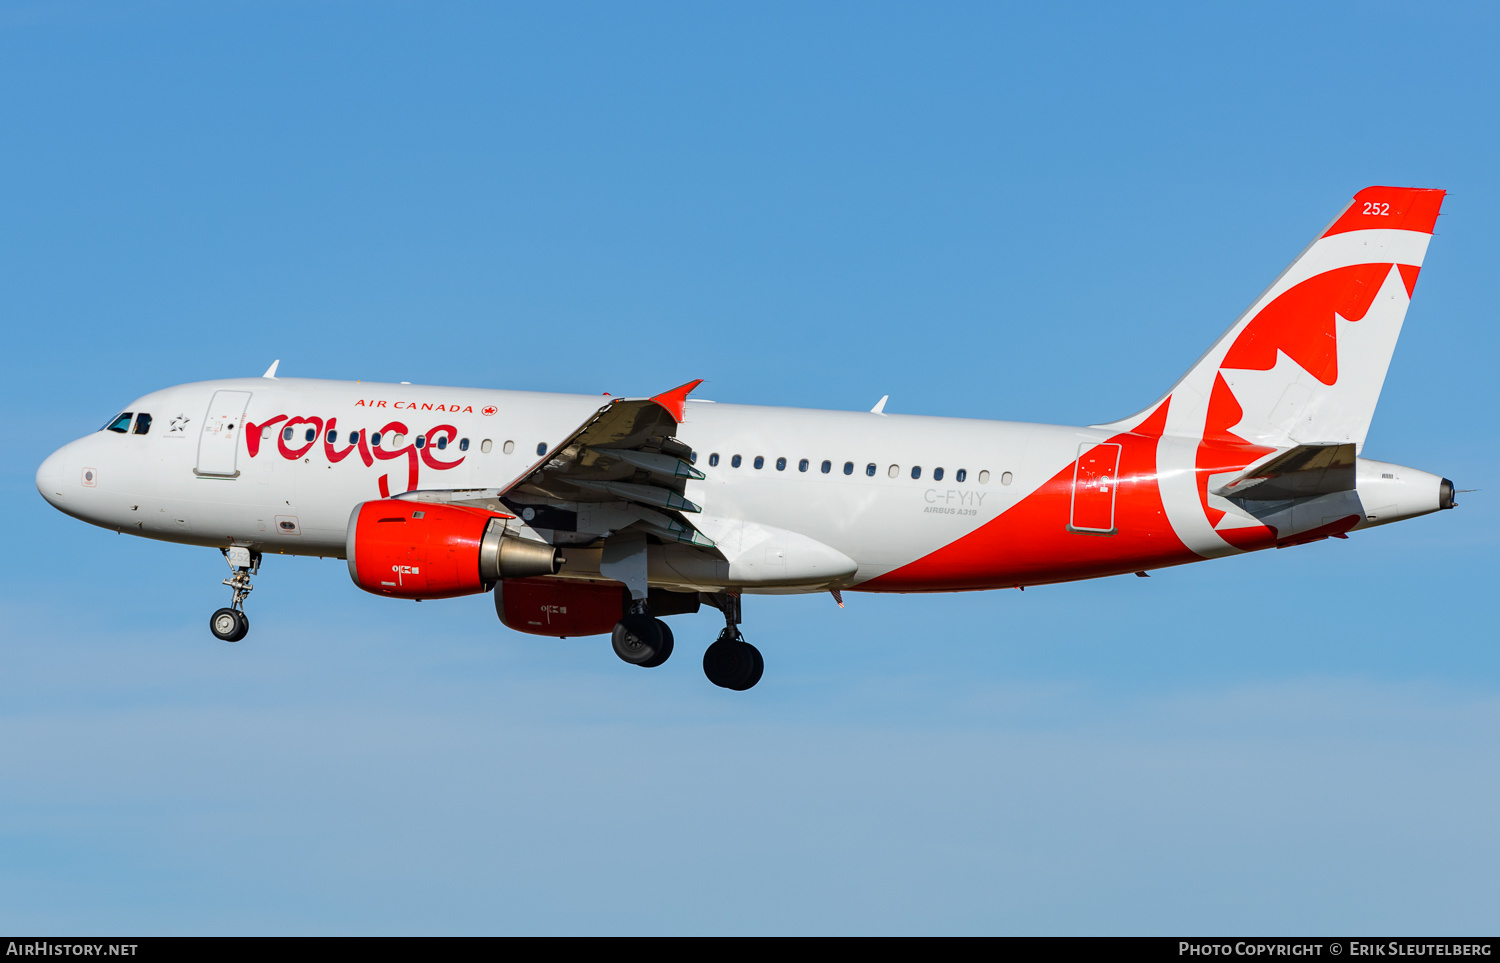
{"type": "Point", "coordinates": [1012, 212]}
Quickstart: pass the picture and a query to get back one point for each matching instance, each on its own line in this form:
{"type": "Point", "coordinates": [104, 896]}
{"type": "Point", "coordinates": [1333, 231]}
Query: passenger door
{"type": "Point", "coordinates": [218, 444]}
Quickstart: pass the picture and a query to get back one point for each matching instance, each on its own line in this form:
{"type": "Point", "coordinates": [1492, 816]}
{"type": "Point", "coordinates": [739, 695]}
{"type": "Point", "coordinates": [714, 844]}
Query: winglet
{"type": "Point", "coordinates": [271, 371]}
{"type": "Point", "coordinates": [879, 408]}
{"type": "Point", "coordinates": [673, 400]}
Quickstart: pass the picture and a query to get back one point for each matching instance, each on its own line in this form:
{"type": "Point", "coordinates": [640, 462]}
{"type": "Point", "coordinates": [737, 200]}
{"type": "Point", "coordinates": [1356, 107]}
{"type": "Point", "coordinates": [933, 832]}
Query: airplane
{"type": "Point", "coordinates": [584, 516]}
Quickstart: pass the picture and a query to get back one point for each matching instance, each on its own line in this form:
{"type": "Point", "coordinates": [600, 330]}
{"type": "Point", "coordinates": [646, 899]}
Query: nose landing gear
{"type": "Point", "coordinates": [230, 624]}
{"type": "Point", "coordinates": [731, 662]}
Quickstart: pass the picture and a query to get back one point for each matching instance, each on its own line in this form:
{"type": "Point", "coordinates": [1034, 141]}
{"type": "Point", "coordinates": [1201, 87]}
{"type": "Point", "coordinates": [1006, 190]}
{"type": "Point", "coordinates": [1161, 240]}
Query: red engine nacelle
{"type": "Point", "coordinates": [544, 606]}
{"type": "Point", "coordinates": [414, 550]}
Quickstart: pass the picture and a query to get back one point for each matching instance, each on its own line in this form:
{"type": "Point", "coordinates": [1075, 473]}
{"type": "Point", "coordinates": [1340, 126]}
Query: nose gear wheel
{"type": "Point", "coordinates": [229, 625]}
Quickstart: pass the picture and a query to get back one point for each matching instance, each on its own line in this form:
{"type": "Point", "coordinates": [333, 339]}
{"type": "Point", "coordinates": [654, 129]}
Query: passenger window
{"type": "Point", "coordinates": [375, 439]}
{"type": "Point", "coordinates": [870, 469]}
{"type": "Point", "coordinates": [508, 447]}
{"type": "Point", "coordinates": [143, 423]}
{"type": "Point", "coordinates": [760, 462]}
{"type": "Point", "coordinates": [961, 474]}
{"type": "Point", "coordinates": [353, 437]}
{"type": "Point", "coordinates": [331, 437]}
{"type": "Point", "coordinates": [734, 462]}
{"type": "Point", "coordinates": [485, 446]}
{"type": "Point", "coordinates": [120, 424]}
{"type": "Point", "coordinates": [937, 474]}
{"type": "Point", "coordinates": [802, 465]}
{"type": "Point", "coordinates": [916, 472]}
{"type": "Point", "coordinates": [541, 448]}
{"type": "Point", "coordinates": [442, 443]}
{"type": "Point", "coordinates": [312, 433]}
{"type": "Point", "coordinates": [713, 460]}
{"type": "Point", "coordinates": [692, 458]}
{"type": "Point", "coordinates": [1006, 478]}
{"type": "Point", "coordinates": [827, 467]}
{"type": "Point", "coordinates": [848, 467]}
{"type": "Point", "coordinates": [286, 434]}
{"type": "Point", "coordinates": [397, 439]}
{"type": "Point", "coordinates": [893, 471]}
{"type": "Point", "coordinates": [421, 441]}
{"type": "Point", "coordinates": [984, 478]}
{"type": "Point", "coordinates": [781, 464]}
{"type": "Point", "coordinates": [463, 444]}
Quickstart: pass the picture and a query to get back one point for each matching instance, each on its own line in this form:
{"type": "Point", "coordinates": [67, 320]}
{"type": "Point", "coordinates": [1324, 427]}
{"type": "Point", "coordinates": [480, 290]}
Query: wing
{"type": "Point", "coordinates": [622, 468]}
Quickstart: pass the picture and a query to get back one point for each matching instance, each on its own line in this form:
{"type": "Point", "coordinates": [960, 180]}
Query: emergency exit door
{"type": "Point", "coordinates": [218, 444]}
{"type": "Point", "coordinates": [1095, 481]}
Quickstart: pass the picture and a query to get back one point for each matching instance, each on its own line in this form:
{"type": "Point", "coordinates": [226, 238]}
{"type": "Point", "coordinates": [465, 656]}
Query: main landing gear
{"type": "Point", "coordinates": [640, 639]}
{"type": "Point", "coordinates": [731, 662]}
{"type": "Point", "coordinates": [230, 624]}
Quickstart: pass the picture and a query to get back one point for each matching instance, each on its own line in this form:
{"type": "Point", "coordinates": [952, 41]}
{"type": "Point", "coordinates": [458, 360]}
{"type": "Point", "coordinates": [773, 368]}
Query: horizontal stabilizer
{"type": "Point", "coordinates": [1299, 472]}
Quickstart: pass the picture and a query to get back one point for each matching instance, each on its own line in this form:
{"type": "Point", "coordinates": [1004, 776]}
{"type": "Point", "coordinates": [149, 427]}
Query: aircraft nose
{"type": "Point", "coordinates": [49, 479]}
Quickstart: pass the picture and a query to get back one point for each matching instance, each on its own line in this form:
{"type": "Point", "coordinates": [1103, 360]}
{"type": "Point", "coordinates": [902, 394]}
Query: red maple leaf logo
{"type": "Point", "coordinates": [488, 410]}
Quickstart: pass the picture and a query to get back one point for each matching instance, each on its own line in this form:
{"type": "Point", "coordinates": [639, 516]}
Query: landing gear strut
{"type": "Point", "coordinates": [230, 624]}
{"type": "Point", "coordinates": [640, 639]}
{"type": "Point", "coordinates": [731, 662]}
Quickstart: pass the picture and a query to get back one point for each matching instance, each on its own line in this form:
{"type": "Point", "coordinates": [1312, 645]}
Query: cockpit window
{"type": "Point", "coordinates": [143, 423]}
{"type": "Point", "coordinates": [120, 424]}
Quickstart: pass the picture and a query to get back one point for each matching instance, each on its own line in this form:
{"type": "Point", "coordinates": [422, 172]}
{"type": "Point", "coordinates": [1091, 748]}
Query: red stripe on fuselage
{"type": "Point", "coordinates": [1030, 544]}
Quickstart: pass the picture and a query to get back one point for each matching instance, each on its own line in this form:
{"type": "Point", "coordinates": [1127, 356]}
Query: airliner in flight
{"type": "Point", "coordinates": [589, 515]}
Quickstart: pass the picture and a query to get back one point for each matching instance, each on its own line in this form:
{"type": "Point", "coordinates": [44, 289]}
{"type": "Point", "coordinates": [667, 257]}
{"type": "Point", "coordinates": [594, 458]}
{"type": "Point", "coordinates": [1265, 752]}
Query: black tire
{"type": "Point", "coordinates": [733, 664]}
{"type": "Point", "coordinates": [228, 625]}
{"type": "Point", "coordinates": [759, 670]}
{"type": "Point", "coordinates": [665, 652]}
{"type": "Point", "coordinates": [637, 638]}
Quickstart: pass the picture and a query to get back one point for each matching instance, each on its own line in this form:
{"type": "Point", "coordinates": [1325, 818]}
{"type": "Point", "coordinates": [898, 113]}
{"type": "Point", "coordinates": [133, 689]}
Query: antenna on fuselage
{"type": "Point", "coordinates": [879, 408]}
{"type": "Point", "coordinates": [271, 371]}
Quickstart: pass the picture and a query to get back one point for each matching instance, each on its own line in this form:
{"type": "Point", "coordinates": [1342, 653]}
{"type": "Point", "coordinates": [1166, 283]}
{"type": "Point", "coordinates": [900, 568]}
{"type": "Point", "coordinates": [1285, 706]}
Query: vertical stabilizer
{"type": "Point", "coordinates": [1305, 363]}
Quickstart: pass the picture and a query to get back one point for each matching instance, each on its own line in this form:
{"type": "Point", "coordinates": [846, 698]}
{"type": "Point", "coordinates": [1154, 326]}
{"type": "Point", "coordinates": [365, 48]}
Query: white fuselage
{"type": "Point", "coordinates": [147, 485]}
{"type": "Point", "coordinates": [898, 487]}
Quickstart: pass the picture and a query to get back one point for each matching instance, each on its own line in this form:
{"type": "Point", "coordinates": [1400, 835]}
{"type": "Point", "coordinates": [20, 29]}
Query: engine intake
{"type": "Point", "coordinates": [416, 550]}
